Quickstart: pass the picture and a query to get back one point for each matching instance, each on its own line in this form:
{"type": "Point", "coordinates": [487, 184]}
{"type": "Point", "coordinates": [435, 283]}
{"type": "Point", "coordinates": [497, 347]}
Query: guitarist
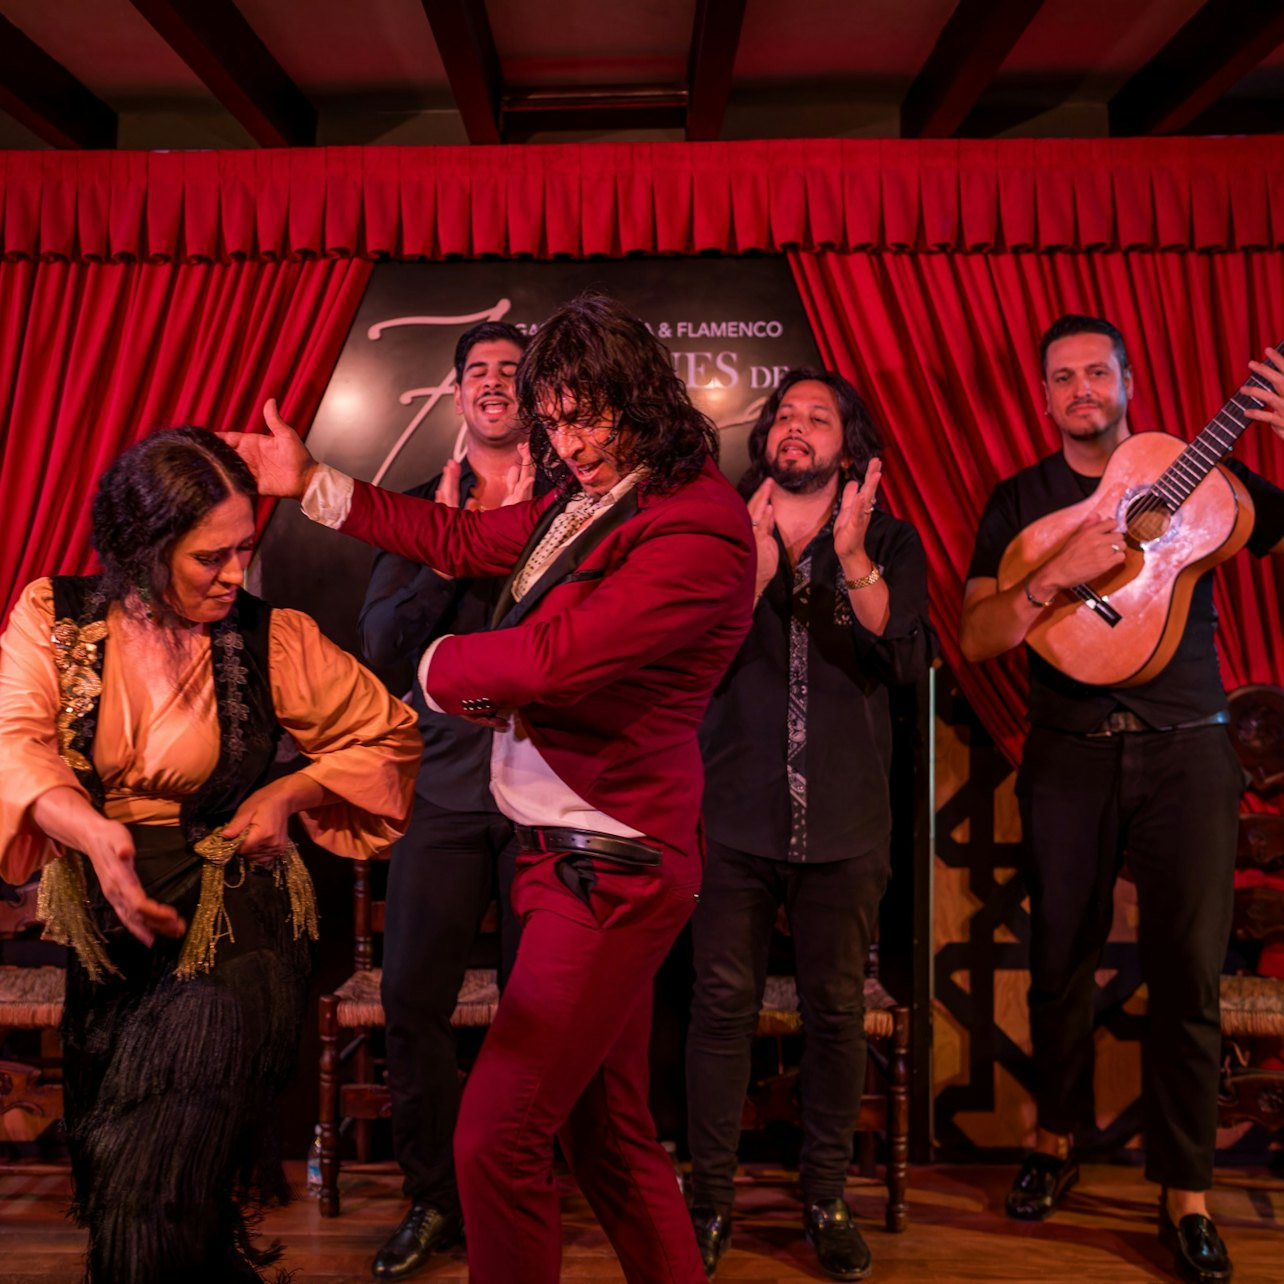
{"type": "Point", "coordinates": [1149, 770]}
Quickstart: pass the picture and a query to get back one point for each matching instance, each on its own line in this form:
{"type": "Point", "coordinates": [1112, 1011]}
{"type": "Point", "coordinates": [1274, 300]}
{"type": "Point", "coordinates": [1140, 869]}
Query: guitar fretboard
{"type": "Point", "coordinates": [1212, 445]}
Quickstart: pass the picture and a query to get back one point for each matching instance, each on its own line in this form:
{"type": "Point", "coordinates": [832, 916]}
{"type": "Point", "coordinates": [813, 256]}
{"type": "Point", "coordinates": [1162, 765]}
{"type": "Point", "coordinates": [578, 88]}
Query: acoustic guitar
{"type": "Point", "coordinates": [1179, 512]}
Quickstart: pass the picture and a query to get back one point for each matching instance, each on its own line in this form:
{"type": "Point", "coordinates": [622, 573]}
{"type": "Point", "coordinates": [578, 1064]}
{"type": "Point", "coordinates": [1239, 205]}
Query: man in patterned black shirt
{"type": "Point", "coordinates": [797, 745]}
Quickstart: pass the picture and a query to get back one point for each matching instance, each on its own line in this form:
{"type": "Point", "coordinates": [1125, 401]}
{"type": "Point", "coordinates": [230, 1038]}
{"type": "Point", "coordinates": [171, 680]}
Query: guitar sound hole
{"type": "Point", "coordinates": [1146, 520]}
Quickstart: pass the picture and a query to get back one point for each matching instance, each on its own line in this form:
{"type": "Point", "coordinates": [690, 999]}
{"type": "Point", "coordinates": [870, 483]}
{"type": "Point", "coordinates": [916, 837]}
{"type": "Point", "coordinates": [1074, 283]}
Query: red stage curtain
{"type": "Point", "coordinates": [94, 355]}
{"type": "Point", "coordinates": [649, 198]}
{"type": "Point", "coordinates": [945, 348]}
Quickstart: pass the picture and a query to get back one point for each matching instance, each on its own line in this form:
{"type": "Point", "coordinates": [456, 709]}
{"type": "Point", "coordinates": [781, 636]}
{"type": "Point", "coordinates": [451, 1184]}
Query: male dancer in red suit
{"type": "Point", "coordinates": [631, 587]}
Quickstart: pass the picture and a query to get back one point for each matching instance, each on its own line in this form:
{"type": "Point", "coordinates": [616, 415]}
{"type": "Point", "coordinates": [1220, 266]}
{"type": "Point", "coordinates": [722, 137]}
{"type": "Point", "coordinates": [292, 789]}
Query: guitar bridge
{"type": "Point", "coordinates": [1095, 602]}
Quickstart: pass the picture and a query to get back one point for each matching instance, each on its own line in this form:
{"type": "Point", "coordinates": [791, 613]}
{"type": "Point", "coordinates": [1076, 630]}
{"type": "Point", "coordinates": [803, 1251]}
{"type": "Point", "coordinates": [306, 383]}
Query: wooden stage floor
{"type": "Point", "coordinates": [1106, 1231]}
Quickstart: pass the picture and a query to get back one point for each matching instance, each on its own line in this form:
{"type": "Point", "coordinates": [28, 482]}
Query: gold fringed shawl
{"type": "Point", "coordinates": [63, 902]}
{"type": "Point", "coordinates": [62, 905]}
{"type": "Point", "coordinates": [210, 924]}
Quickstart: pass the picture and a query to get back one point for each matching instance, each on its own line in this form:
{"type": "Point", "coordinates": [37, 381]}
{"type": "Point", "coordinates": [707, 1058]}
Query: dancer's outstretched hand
{"type": "Point", "coordinates": [280, 462]}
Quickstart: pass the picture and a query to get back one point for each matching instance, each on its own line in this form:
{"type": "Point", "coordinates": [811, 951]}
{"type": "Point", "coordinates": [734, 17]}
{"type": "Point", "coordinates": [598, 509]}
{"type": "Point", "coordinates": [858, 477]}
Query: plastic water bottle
{"type": "Point", "coordinates": [314, 1165]}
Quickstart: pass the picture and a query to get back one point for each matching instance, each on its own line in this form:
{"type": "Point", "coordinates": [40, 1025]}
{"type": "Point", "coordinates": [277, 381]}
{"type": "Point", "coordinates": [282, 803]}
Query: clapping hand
{"type": "Point", "coordinates": [448, 487]}
{"type": "Point", "coordinates": [764, 532]}
{"type": "Point", "coordinates": [855, 511]}
{"type": "Point", "coordinates": [519, 485]}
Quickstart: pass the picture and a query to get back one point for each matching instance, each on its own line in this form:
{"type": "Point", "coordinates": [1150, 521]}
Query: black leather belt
{"type": "Point", "coordinates": [626, 851]}
{"type": "Point", "coordinates": [1124, 720]}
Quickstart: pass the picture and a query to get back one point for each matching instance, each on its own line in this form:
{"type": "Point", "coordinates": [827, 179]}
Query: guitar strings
{"type": "Point", "coordinates": [1157, 497]}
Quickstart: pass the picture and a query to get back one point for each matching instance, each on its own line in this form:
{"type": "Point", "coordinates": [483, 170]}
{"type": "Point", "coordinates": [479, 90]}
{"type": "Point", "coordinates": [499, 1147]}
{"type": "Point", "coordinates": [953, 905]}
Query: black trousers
{"type": "Point", "coordinates": [444, 873]}
{"type": "Point", "coordinates": [832, 909]}
{"type": "Point", "coordinates": [1169, 800]}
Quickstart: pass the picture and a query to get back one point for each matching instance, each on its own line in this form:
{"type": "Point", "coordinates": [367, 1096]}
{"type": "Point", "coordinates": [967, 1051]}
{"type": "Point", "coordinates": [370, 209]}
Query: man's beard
{"type": "Point", "coordinates": [802, 481]}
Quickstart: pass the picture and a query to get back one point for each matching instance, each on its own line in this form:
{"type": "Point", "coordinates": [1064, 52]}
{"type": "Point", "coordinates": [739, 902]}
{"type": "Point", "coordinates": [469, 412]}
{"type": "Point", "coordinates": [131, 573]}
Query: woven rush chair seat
{"type": "Point", "coordinates": [359, 1004]}
{"type": "Point", "coordinates": [31, 997]}
{"type": "Point", "coordinates": [779, 1017]}
{"type": "Point", "coordinates": [352, 1089]}
{"type": "Point", "coordinates": [1252, 1007]}
{"type": "Point", "coordinates": [884, 1101]}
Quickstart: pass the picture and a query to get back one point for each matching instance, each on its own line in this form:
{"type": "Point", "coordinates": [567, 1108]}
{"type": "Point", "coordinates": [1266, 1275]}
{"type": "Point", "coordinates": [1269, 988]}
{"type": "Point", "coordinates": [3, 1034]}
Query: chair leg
{"type": "Point", "coordinates": [865, 1136]}
{"type": "Point", "coordinates": [329, 1106]}
{"type": "Point", "coordinates": [363, 1069]}
{"type": "Point", "coordinates": [898, 1123]}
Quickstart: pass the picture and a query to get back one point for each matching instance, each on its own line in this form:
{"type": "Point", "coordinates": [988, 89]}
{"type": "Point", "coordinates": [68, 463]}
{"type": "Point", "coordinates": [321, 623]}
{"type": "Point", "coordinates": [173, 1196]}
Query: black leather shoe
{"type": "Point", "coordinates": [1199, 1255]}
{"type": "Point", "coordinates": [712, 1228]}
{"type": "Point", "coordinates": [424, 1230]}
{"type": "Point", "coordinates": [840, 1247]}
{"type": "Point", "coordinates": [1040, 1186]}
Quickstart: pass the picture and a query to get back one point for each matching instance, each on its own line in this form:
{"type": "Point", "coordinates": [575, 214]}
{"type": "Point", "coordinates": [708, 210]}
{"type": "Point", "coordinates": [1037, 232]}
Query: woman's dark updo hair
{"type": "Point", "coordinates": [150, 498]}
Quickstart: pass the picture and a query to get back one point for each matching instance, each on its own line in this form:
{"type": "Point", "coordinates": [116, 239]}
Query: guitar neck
{"type": "Point", "coordinates": [1212, 445]}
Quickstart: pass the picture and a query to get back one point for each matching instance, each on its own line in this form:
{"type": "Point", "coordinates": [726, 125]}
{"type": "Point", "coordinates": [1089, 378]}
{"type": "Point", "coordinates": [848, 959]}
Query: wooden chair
{"type": "Point", "coordinates": [884, 1103]}
{"type": "Point", "coordinates": [354, 1012]}
{"type": "Point", "coordinates": [31, 998]}
{"type": "Point", "coordinates": [1252, 1007]}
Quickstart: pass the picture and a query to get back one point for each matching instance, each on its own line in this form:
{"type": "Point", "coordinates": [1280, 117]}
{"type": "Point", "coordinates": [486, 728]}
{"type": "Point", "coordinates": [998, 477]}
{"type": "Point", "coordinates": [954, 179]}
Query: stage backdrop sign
{"type": "Point", "coordinates": [732, 327]}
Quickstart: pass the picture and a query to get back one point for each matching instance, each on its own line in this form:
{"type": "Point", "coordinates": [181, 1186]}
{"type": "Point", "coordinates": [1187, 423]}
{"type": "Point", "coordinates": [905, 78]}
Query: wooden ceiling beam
{"type": "Point", "coordinates": [715, 38]}
{"type": "Point", "coordinates": [467, 47]}
{"type": "Point", "coordinates": [1220, 44]}
{"type": "Point", "coordinates": [587, 107]}
{"type": "Point", "coordinates": [46, 98]}
{"type": "Point", "coordinates": [971, 48]}
{"type": "Point", "coordinates": [215, 41]}
{"type": "Point", "coordinates": [1239, 116]}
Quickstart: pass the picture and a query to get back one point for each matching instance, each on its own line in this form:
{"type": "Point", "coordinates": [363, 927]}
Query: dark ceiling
{"type": "Point", "coordinates": [214, 73]}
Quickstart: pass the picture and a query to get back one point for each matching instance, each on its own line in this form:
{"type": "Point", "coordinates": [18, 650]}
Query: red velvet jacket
{"type": "Point", "coordinates": [613, 654]}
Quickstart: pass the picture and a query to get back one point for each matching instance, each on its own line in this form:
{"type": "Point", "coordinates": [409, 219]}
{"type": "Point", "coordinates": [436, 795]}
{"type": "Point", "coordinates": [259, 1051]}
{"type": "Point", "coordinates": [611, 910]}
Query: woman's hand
{"type": "Point", "coordinates": [263, 818]}
{"type": "Point", "coordinates": [111, 852]}
{"type": "Point", "coordinates": [68, 817]}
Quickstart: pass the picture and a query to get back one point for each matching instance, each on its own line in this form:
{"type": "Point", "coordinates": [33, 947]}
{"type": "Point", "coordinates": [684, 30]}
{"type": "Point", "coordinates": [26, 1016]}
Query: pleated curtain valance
{"type": "Point", "coordinates": [642, 198]}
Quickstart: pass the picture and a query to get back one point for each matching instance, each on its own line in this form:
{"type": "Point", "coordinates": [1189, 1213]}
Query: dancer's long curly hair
{"type": "Point", "coordinates": [594, 352]}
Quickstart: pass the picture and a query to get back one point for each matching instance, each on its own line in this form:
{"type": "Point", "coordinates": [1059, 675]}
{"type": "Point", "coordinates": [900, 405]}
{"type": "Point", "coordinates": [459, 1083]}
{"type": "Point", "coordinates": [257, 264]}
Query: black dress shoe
{"type": "Point", "coordinates": [712, 1228]}
{"type": "Point", "coordinates": [840, 1247]}
{"type": "Point", "coordinates": [1199, 1255]}
{"type": "Point", "coordinates": [424, 1230]}
{"type": "Point", "coordinates": [1040, 1186]}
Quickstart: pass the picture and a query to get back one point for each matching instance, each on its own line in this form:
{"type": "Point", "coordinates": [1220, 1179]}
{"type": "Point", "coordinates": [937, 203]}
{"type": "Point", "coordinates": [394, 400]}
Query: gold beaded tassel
{"type": "Point", "coordinates": [210, 924]}
{"type": "Point", "coordinates": [62, 906]}
{"type": "Point", "coordinates": [303, 896]}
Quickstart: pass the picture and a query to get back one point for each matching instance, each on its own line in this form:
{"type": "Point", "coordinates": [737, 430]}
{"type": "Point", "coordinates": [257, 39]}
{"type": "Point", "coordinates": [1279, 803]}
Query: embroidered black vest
{"type": "Point", "coordinates": [248, 730]}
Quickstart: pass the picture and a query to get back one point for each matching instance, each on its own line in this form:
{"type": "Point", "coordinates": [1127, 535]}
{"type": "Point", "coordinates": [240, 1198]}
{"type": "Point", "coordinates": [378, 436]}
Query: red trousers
{"type": "Point", "coordinates": [566, 1056]}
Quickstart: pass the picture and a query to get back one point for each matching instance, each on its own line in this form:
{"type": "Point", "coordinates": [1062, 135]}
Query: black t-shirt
{"type": "Point", "coordinates": [1190, 685]}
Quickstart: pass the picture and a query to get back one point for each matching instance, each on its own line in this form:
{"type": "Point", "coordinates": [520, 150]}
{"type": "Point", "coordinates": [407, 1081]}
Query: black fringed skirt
{"type": "Point", "coordinates": [170, 1084]}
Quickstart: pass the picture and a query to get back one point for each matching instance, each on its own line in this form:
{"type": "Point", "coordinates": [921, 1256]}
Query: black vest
{"type": "Point", "coordinates": [248, 730]}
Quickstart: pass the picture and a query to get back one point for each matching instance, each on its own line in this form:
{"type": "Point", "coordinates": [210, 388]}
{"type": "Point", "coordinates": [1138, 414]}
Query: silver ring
{"type": "Point", "coordinates": [1114, 548]}
{"type": "Point", "coordinates": [869, 508]}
